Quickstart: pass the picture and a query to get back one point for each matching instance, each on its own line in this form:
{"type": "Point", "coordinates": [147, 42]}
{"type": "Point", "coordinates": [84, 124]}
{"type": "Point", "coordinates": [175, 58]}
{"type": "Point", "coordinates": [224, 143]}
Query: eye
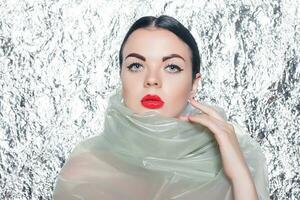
{"type": "Point", "coordinates": [133, 67]}
{"type": "Point", "coordinates": [174, 68]}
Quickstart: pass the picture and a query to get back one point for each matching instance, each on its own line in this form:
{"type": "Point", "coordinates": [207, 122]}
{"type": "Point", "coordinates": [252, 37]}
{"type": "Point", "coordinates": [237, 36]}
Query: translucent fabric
{"type": "Point", "coordinates": [151, 157]}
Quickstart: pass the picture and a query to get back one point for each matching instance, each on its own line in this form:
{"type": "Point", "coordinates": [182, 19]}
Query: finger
{"type": "Point", "coordinates": [219, 128]}
{"type": "Point", "coordinates": [206, 109]}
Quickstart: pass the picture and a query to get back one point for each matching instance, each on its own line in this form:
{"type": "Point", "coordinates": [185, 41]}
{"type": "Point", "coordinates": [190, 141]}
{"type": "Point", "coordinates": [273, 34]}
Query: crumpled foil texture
{"type": "Point", "coordinates": [59, 65]}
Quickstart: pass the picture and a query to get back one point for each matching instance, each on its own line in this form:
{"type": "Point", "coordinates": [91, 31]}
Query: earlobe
{"type": "Point", "coordinates": [196, 81]}
{"type": "Point", "coordinates": [198, 75]}
{"type": "Point", "coordinates": [195, 85]}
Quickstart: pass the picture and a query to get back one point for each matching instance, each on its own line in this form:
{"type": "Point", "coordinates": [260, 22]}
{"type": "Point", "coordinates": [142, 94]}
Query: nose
{"type": "Point", "coordinates": [152, 80]}
{"type": "Point", "coordinates": [149, 83]}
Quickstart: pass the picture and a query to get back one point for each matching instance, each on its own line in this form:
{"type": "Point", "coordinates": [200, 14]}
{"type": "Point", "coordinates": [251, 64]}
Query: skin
{"type": "Point", "coordinates": [152, 76]}
{"type": "Point", "coordinates": [173, 88]}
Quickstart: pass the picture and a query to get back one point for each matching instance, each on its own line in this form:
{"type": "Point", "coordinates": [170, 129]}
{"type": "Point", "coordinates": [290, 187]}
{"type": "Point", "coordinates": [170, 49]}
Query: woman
{"type": "Point", "coordinates": [158, 142]}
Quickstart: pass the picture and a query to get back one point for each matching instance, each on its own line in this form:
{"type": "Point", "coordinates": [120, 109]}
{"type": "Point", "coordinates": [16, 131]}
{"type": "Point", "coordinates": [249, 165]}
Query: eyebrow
{"type": "Point", "coordinates": [173, 55]}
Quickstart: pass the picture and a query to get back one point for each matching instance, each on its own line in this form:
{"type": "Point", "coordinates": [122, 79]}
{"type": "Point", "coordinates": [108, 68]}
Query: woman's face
{"type": "Point", "coordinates": [157, 62]}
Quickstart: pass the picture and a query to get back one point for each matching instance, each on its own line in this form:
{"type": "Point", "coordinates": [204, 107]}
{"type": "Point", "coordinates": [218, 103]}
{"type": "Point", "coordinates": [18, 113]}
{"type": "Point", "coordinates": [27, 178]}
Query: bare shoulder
{"type": "Point", "coordinates": [85, 158]}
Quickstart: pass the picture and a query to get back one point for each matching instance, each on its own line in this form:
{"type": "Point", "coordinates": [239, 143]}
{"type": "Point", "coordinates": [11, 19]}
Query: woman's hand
{"type": "Point", "coordinates": [234, 164]}
{"type": "Point", "coordinates": [232, 157]}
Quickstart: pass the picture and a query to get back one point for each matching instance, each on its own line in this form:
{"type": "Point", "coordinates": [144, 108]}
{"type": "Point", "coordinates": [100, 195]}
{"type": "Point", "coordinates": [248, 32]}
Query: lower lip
{"type": "Point", "coordinates": [152, 104]}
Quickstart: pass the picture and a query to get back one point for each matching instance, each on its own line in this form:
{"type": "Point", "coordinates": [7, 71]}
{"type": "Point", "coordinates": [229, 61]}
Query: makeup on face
{"type": "Point", "coordinates": [156, 57]}
{"type": "Point", "coordinates": [152, 101]}
{"type": "Point", "coordinates": [136, 55]}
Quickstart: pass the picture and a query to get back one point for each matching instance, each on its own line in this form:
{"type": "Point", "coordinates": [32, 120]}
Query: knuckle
{"type": "Point", "coordinates": [230, 127]}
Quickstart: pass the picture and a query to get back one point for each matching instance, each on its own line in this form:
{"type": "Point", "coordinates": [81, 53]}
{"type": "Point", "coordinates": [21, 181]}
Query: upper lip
{"type": "Point", "coordinates": [152, 97]}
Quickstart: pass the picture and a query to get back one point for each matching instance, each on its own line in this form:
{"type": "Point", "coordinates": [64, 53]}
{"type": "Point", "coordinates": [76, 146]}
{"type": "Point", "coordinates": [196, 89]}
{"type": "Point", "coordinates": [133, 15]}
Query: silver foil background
{"type": "Point", "coordinates": [59, 65]}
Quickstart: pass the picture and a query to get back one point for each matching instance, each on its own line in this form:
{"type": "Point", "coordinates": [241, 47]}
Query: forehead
{"type": "Point", "coordinates": [153, 42]}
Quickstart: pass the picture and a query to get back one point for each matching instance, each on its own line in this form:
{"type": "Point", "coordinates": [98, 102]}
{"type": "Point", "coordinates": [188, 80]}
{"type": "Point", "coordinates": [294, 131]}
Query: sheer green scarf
{"type": "Point", "coordinates": [162, 143]}
{"type": "Point", "coordinates": [151, 157]}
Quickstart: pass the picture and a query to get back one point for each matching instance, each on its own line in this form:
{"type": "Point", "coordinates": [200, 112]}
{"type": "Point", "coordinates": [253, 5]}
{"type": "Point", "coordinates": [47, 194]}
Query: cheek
{"type": "Point", "coordinates": [181, 94]}
{"type": "Point", "coordinates": [131, 81]}
{"type": "Point", "coordinates": [178, 94]}
{"type": "Point", "coordinates": [179, 90]}
{"type": "Point", "coordinates": [130, 87]}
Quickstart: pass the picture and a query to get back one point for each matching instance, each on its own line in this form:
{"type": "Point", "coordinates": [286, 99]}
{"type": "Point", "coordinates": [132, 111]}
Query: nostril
{"type": "Point", "coordinates": [153, 84]}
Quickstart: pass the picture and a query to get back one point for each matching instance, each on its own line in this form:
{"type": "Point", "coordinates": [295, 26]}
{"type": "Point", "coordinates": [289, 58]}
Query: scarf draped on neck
{"type": "Point", "coordinates": [151, 157]}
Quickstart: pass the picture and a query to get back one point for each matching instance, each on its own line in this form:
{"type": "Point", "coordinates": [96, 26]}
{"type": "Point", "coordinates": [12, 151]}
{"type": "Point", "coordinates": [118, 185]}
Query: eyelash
{"type": "Point", "coordinates": [169, 65]}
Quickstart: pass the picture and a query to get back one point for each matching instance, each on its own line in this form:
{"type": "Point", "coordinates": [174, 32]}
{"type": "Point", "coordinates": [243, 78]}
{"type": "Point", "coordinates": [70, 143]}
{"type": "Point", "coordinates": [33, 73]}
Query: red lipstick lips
{"type": "Point", "coordinates": [152, 101]}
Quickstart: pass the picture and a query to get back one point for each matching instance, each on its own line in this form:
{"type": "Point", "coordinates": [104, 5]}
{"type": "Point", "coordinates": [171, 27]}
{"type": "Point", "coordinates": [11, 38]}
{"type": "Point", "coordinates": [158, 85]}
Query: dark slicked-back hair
{"type": "Point", "coordinates": [171, 24]}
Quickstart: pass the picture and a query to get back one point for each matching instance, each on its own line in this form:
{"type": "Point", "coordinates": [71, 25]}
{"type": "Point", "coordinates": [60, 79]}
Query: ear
{"type": "Point", "coordinates": [195, 82]}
